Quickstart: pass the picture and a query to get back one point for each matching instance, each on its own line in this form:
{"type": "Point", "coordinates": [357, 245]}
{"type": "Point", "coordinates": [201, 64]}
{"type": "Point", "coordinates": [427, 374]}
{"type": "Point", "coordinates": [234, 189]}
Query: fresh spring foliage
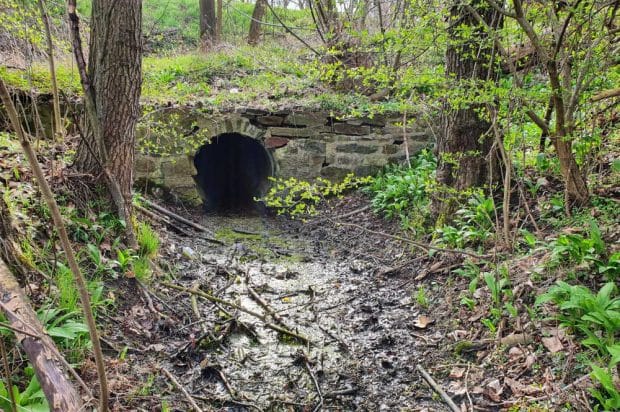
{"type": "Point", "coordinates": [473, 224]}
{"type": "Point", "coordinates": [596, 318]}
{"type": "Point", "coordinates": [31, 399]}
{"type": "Point", "coordinates": [298, 198]}
{"type": "Point", "coordinates": [402, 192]}
{"type": "Point", "coordinates": [581, 252]}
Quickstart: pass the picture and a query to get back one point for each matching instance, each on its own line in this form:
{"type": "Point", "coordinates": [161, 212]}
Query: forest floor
{"type": "Point", "coordinates": [348, 288]}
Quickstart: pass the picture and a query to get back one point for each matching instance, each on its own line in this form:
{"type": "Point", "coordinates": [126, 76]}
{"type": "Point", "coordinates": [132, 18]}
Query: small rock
{"type": "Point", "coordinates": [189, 253]}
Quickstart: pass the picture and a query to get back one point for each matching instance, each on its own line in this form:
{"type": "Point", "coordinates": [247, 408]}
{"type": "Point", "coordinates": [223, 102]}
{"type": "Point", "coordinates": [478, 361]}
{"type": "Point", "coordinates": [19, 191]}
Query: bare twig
{"type": "Point", "coordinates": [316, 386]}
{"type": "Point", "coordinates": [7, 374]}
{"type": "Point", "coordinates": [437, 388]}
{"type": "Point", "coordinates": [14, 329]}
{"type": "Point", "coordinates": [424, 246]}
{"type": "Point", "coordinates": [265, 306]}
{"type": "Point", "coordinates": [291, 32]}
{"type": "Point", "coordinates": [241, 308]}
{"type": "Point", "coordinates": [180, 387]}
{"type": "Point", "coordinates": [181, 219]}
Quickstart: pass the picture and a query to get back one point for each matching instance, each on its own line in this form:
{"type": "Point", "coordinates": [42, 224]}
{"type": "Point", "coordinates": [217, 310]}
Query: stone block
{"type": "Point", "coordinates": [314, 147]}
{"type": "Point", "coordinates": [367, 170]}
{"type": "Point", "coordinates": [270, 120]}
{"type": "Point", "coordinates": [334, 173]}
{"type": "Point", "coordinates": [346, 160]}
{"type": "Point", "coordinates": [177, 167]}
{"type": "Point", "coordinates": [294, 132]}
{"type": "Point", "coordinates": [357, 148]}
{"type": "Point", "coordinates": [276, 142]}
{"type": "Point", "coordinates": [146, 165]}
{"type": "Point", "coordinates": [390, 149]}
{"type": "Point", "coordinates": [345, 128]}
{"type": "Point", "coordinates": [252, 112]}
{"type": "Point", "coordinates": [306, 119]}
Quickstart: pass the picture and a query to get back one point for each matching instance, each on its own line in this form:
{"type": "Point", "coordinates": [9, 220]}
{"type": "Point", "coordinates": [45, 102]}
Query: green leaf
{"type": "Point", "coordinates": [68, 330]}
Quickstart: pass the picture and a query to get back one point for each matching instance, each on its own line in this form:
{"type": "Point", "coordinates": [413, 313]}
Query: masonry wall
{"type": "Point", "coordinates": [303, 144]}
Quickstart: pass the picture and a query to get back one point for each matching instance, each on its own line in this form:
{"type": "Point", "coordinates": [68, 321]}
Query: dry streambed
{"type": "Point", "coordinates": [278, 320]}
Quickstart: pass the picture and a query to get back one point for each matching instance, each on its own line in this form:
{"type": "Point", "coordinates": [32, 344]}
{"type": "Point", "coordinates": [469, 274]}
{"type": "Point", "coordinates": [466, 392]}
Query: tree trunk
{"type": "Point", "coordinates": [39, 347]}
{"type": "Point", "coordinates": [208, 24]}
{"type": "Point", "coordinates": [464, 142]}
{"type": "Point", "coordinates": [255, 25]}
{"type": "Point", "coordinates": [115, 75]}
{"type": "Point", "coordinates": [219, 21]}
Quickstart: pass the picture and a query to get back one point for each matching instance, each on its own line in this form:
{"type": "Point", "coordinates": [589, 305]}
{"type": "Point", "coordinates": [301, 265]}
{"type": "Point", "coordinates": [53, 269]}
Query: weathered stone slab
{"type": "Point", "coordinates": [367, 170]}
{"type": "Point", "coordinates": [334, 173]}
{"type": "Point", "coordinates": [252, 112]}
{"type": "Point", "coordinates": [276, 142]}
{"type": "Point", "coordinates": [345, 128]}
{"type": "Point", "coordinates": [357, 148]}
{"type": "Point", "coordinates": [306, 119]}
{"type": "Point", "coordinates": [270, 120]}
{"type": "Point", "coordinates": [178, 167]}
{"type": "Point", "coordinates": [390, 149]}
{"type": "Point", "coordinates": [146, 164]}
{"type": "Point", "coordinates": [294, 132]}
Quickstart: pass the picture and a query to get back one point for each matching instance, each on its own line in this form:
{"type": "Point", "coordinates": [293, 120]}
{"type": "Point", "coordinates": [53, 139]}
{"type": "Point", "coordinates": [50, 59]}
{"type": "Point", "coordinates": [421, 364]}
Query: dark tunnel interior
{"type": "Point", "coordinates": [233, 169]}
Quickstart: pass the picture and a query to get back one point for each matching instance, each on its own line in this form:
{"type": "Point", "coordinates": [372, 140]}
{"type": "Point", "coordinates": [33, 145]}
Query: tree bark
{"type": "Point", "coordinates": [219, 21]}
{"type": "Point", "coordinates": [60, 393]}
{"type": "Point", "coordinates": [464, 142]}
{"type": "Point", "coordinates": [208, 24]}
{"type": "Point", "coordinates": [114, 81]}
{"type": "Point", "coordinates": [255, 24]}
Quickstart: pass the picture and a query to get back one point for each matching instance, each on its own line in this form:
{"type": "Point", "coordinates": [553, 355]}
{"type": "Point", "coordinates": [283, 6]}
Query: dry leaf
{"type": "Point", "coordinates": [519, 389]}
{"type": "Point", "coordinates": [530, 360]}
{"type": "Point", "coordinates": [553, 344]}
{"type": "Point", "coordinates": [494, 390]}
{"type": "Point", "coordinates": [422, 322]}
{"type": "Point", "coordinates": [456, 388]}
{"type": "Point", "coordinates": [457, 373]}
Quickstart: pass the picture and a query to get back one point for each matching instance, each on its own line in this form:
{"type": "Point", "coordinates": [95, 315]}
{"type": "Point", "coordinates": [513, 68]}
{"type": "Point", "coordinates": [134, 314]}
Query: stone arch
{"type": "Point", "coordinates": [232, 169]}
{"type": "Point", "coordinates": [237, 124]}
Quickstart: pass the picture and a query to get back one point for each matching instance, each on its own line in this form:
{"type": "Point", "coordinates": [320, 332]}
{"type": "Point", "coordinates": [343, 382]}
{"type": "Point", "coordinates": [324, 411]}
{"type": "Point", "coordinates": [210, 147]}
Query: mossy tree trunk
{"type": "Point", "coordinates": [465, 142]}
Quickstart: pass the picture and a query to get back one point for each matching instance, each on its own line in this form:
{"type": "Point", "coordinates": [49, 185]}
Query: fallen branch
{"type": "Point", "coordinates": [348, 214]}
{"type": "Point", "coordinates": [176, 383]}
{"type": "Point", "coordinates": [7, 375]}
{"type": "Point", "coordinates": [428, 378]}
{"type": "Point", "coordinates": [265, 306]}
{"type": "Point", "coordinates": [241, 308]}
{"type": "Point", "coordinates": [161, 219]}
{"type": "Point", "coordinates": [319, 405]}
{"type": "Point", "coordinates": [181, 219]}
{"type": "Point", "coordinates": [424, 246]}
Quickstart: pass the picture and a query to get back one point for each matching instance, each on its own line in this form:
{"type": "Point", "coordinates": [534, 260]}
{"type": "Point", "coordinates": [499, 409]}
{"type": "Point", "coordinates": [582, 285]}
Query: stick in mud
{"type": "Point", "coordinates": [242, 309]}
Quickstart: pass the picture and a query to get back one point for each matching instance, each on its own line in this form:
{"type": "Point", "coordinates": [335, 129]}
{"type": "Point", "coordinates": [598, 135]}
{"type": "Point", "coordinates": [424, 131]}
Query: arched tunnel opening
{"type": "Point", "coordinates": [233, 169]}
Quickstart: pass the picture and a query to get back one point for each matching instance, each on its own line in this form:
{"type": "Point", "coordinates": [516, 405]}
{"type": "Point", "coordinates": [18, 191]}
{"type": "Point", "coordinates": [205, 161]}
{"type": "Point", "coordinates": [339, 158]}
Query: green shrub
{"type": "Point", "coordinates": [148, 240]}
{"type": "Point", "coordinates": [299, 198]}
{"type": "Point", "coordinates": [472, 225]}
{"type": "Point", "coordinates": [401, 192]}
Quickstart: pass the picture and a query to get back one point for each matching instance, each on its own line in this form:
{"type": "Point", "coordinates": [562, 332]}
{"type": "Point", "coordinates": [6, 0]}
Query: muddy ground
{"type": "Point", "coordinates": [337, 322]}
